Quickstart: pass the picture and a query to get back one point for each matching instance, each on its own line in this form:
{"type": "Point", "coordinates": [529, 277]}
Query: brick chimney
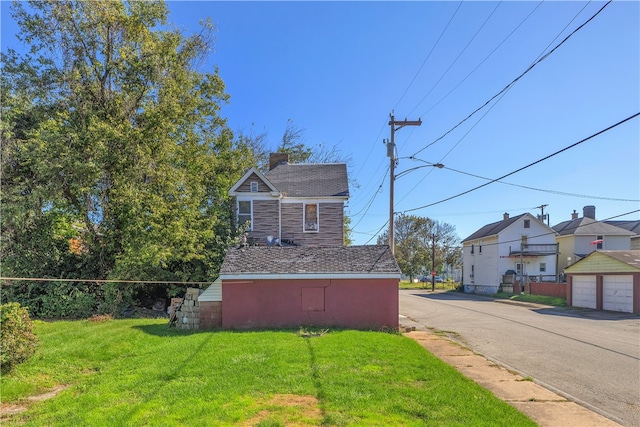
{"type": "Point", "coordinates": [574, 214]}
{"type": "Point", "coordinates": [276, 159]}
{"type": "Point", "coordinates": [589, 212]}
{"type": "Point", "coordinates": [505, 216]}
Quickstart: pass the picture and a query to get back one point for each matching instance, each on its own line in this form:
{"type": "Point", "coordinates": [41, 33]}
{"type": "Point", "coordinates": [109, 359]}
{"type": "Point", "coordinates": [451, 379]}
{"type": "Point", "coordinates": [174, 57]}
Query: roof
{"type": "Point", "coordinates": [310, 179]}
{"type": "Point", "coordinates": [624, 261]}
{"type": "Point", "coordinates": [632, 226]}
{"type": "Point", "coordinates": [493, 228]}
{"type": "Point", "coordinates": [589, 226]}
{"type": "Point", "coordinates": [309, 262]}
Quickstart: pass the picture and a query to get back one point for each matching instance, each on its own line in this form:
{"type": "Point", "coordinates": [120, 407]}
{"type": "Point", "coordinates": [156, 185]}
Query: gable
{"type": "Point", "coordinates": [253, 178]}
{"type": "Point", "coordinates": [607, 262]}
{"type": "Point", "coordinates": [498, 227]}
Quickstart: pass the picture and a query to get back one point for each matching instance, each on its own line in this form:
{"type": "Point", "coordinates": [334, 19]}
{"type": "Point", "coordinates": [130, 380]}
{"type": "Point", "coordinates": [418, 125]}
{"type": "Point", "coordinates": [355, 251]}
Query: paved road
{"type": "Point", "coordinates": [589, 356]}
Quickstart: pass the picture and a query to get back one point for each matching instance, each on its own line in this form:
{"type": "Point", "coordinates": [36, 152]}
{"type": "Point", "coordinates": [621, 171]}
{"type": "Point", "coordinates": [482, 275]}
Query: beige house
{"type": "Point", "coordinates": [580, 236]}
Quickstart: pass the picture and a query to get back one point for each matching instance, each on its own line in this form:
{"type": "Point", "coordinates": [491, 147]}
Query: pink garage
{"type": "Point", "coordinates": [280, 287]}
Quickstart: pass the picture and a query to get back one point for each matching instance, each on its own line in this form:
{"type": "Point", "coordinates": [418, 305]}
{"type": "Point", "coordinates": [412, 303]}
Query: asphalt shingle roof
{"type": "Point", "coordinates": [367, 259]}
{"type": "Point", "coordinates": [589, 226]}
{"type": "Point", "coordinates": [631, 257]}
{"type": "Point", "coordinates": [310, 179]}
{"type": "Point", "coordinates": [493, 228]}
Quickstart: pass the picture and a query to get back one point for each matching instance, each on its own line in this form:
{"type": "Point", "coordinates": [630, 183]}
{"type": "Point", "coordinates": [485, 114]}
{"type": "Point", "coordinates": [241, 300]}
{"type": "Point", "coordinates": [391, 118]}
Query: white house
{"type": "Point", "coordinates": [522, 244]}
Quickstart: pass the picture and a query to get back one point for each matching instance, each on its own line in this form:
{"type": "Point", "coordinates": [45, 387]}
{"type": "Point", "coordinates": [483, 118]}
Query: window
{"type": "Point", "coordinates": [519, 268]}
{"type": "Point", "coordinates": [245, 213]}
{"type": "Point", "coordinates": [310, 217]}
{"type": "Point", "coordinates": [527, 223]}
{"type": "Point", "coordinates": [600, 241]}
{"type": "Point", "coordinates": [480, 247]}
{"type": "Point", "coordinates": [472, 247]}
{"type": "Point", "coordinates": [254, 187]}
{"type": "Point", "coordinates": [543, 267]}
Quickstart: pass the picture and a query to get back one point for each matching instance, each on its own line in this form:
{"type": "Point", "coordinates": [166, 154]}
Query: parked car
{"type": "Point", "coordinates": [425, 279]}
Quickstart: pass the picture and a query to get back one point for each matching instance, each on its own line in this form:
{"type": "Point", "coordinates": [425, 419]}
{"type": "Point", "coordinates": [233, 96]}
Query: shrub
{"type": "Point", "coordinates": [17, 340]}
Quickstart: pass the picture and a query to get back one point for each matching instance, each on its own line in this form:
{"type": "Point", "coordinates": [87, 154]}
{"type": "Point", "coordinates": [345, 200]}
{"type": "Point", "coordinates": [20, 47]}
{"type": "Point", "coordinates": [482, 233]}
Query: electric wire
{"type": "Point", "coordinates": [428, 55]}
{"type": "Point", "coordinates": [560, 193]}
{"type": "Point", "coordinates": [458, 57]}
{"type": "Point", "coordinates": [488, 56]}
{"type": "Point", "coordinates": [514, 81]}
{"type": "Point", "coordinates": [527, 166]}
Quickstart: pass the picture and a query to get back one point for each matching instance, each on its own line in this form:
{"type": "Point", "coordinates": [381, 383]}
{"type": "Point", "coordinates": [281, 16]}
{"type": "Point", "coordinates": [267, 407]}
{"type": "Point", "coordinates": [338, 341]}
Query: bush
{"type": "Point", "coordinates": [17, 340]}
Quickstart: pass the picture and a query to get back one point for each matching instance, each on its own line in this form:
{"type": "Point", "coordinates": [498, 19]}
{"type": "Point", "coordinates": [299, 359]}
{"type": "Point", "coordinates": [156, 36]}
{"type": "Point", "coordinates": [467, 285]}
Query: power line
{"type": "Point", "coordinates": [146, 282]}
{"type": "Point", "coordinates": [458, 57]}
{"type": "Point", "coordinates": [554, 232]}
{"type": "Point", "coordinates": [428, 56]}
{"type": "Point", "coordinates": [527, 166]}
{"type": "Point", "coordinates": [561, 193]}
{"type": "Point", "coordinates": [514, 81]}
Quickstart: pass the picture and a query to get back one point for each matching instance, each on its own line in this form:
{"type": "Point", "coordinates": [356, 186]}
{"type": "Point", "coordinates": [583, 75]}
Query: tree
{"type": "Point", "coordinates": [415, 239]}
{"type": "Point", "coordinates": [112, 141]}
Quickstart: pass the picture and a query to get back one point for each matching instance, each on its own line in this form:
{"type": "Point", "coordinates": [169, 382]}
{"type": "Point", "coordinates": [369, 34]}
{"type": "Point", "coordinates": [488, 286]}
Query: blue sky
{"type": "Point", "coordinates": [338, 69]}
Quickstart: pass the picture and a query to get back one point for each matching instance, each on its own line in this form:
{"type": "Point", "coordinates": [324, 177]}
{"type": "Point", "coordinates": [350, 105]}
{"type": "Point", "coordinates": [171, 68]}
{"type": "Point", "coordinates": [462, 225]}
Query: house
{"type": "Point", "coordinates": [606, 280]}
{"type": "Point", "coordinates": [293, 204]}
{"type": "Point", "coordinates": [632, 226]}
{"type": "Point", "coordinates": [293, 286]}
{"type": "Point", "coordinates": [578, 237]}
{"type": "Point", "coordinates": [293, 269]}
{"type": "Point", "coordinates": [522, 245]}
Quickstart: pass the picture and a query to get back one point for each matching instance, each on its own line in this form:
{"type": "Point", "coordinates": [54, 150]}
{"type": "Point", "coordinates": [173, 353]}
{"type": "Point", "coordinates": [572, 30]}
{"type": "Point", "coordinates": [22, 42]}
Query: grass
{"type": "Point", "coordinates": [139, 372]}
{"type": "Point", "coordinates": [446, 285]}
{"type": "Point", "coordinates": [538, 299]}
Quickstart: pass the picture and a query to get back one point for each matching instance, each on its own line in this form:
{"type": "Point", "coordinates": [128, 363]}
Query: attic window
{"type": "Point", "coordinates": [310, 219]}
{"type": "Point", "coordinates": [254, 187]}
{"type": "Point", "coordinates": [527, 223]}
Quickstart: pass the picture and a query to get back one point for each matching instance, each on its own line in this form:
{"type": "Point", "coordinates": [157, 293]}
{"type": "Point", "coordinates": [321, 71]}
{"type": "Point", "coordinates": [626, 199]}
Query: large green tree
{"type": "Point", "coordinates": [420, 241]}
{"type": "Point", "coordinates": [115, 160]}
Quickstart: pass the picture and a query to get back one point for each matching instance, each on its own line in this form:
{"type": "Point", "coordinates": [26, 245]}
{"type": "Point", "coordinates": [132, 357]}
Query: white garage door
{"type": "Point", "coordinates": [584, 291]}
{"type": "Point", "coordinates": [617, 293]}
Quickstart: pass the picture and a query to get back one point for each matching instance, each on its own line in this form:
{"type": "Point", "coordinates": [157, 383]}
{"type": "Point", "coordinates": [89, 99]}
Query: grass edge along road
{"type": "Point", "coordinates": [139, 372]}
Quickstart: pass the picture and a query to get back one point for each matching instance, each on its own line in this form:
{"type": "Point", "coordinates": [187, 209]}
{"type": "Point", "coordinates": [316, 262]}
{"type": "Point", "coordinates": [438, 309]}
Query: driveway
{"type": "Point", "coordinates": [591, 357]}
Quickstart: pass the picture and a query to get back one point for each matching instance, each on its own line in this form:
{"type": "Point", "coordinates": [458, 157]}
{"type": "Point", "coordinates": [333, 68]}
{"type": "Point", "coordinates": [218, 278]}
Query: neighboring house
{"type": "Point", "coordinates": [346, 286]}
{"type": "Point", "coordinates": [522, 244]}
{"type": "Point", "coordinates": [632, 226]}
{"type": "Point", "coordinates": [293, 270]}
{"type": "Point", "coordinates": [293, 204]}
{"type": "Point", "coordinates": [579, 237]}
{"type": "Point", "coordinates": [606, 280]}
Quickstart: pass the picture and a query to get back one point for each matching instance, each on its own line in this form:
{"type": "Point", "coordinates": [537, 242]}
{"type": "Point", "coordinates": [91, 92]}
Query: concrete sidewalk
{"type": "Point", "coordinates": [545, 407]}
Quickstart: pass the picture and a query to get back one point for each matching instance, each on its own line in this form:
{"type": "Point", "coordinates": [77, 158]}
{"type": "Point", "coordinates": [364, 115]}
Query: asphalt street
{"type": "Point", "coordinates": [591, 357]}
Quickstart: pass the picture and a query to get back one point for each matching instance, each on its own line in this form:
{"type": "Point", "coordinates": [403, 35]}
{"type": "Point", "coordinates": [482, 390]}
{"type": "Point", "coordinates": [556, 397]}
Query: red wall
{"type": "Point", "coordinates": [347, 303]}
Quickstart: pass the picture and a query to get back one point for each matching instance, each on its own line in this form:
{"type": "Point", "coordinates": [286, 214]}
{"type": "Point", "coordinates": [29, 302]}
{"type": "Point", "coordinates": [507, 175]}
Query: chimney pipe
{"type": "Point", "coordinates": [574, 215]}
{"type": "Point", "coordinates": [505, 216]}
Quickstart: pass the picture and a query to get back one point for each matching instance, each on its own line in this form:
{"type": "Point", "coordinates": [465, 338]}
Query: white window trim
{"type": "Point", "coordinates": [304, 217]}
{"type": "Point", "coordinates": [252, 185]}
{"type": "Point", "coordinates": [250, 213]}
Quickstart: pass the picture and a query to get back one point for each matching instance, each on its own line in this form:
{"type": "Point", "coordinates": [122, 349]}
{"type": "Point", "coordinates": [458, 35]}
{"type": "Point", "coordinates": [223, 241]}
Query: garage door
{"type": "Point", "coordinates": [617, 293]}
{"type": "Point", "coordinates": [584, 291]}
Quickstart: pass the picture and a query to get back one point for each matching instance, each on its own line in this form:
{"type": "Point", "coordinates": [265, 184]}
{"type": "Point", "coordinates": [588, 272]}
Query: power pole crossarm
{"type": "Point", "coordinates": [391, 149]}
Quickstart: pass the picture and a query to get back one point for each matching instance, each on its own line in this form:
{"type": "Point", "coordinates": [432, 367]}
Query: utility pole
{"type": "Point", "coordinates": [542, 217]}
{"type": "Point", "coordinates": [391, 150]}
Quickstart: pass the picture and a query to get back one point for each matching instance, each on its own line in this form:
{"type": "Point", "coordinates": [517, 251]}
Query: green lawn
{"type": "Point", "coordinates": [538, 299]}
{"type": "Point", "coordinates": [139, 372]}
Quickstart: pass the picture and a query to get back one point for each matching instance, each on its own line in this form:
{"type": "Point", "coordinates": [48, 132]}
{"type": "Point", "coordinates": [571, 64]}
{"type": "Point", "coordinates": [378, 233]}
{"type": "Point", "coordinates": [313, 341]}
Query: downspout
{"type": "Point", "coordinates": [280, 219]}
